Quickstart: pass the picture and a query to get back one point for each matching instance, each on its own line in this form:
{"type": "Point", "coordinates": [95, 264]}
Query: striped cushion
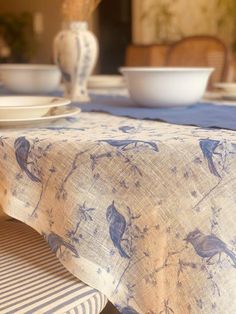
{"type": "Point", "coordinates": [32, 280]}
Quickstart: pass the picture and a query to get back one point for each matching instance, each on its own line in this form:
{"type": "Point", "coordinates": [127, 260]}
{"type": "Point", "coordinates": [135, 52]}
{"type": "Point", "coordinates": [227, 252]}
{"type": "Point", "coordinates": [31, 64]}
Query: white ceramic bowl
{"type": "Point", "coordinates": [166, 87]}
{"type": "Point", "coordinates": [30, 78]}
{"type": "Point", "coordinates": [28, 107]}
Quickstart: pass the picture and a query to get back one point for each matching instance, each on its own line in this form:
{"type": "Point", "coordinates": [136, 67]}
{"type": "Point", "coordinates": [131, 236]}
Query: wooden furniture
{"type": "Point", "coordinates": [146, 55]}
{"type": "Point", "coordinates": [203, 51]}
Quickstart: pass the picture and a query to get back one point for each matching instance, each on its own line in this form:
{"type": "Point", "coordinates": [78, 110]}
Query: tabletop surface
{"type": "Point", "coordinates": [143, 211]}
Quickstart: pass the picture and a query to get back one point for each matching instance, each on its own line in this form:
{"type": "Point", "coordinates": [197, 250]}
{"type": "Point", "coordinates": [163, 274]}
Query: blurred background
{"type": "Point", "coordinates": [131, 32]}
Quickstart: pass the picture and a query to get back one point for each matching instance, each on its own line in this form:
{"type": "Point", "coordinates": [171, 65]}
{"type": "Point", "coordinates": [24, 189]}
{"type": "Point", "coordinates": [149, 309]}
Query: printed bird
{"type": "Point", "coordinates": [124, 143]}
{"type": "Point", "coordinates": [56, 243]}
{"type": "Point", "coordinates": [22, 148]}
{"type": "Point", "coordinates": [207, 246]}
{"type": "Point", "coordinates": [208, 148]}
{"type": "Point", "coordinates": [127, 129]}
{"type": "Point", "coordinates": [128, 310]}
{"type": "Point", "coordinates": [117, 227]}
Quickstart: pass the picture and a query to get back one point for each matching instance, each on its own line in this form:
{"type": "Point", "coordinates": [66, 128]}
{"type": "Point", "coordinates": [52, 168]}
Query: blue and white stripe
{"type": "Point", "coordinates": [32, 280]}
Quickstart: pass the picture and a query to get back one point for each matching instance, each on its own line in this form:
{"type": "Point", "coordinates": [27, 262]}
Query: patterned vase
{"type": "Point", "coordinates": [75, 52]}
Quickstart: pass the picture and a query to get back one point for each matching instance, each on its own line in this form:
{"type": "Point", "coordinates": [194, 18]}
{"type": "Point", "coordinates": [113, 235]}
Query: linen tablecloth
{"type": "Point", "coordinates": [143, 211]}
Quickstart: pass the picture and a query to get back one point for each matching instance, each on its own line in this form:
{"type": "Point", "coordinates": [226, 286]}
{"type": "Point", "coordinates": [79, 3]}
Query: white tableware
{"type": "Point", "coordinates": [227, 87]}
{"type": "Point", "coordinates": [227, 90]}
{"type": "Point", "coordinates": [166, 87]}
{"type": "Point", "coordinates": [30, 78]}
{"type": "Point", "coordinates": [23, 107]}
{"type": "Point", "coordinates": [212, 95]}
{"type": "Point", "coordinates": [106, 81]}
{"type": "Point", "coordinates": [230, 96]}
{"type": "Point", "coordinates": [75, 52]}
{"type": "Point", "coordinates": [55, 114]}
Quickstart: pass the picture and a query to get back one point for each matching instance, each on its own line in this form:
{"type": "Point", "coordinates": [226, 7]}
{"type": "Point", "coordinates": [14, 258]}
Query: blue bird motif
{"type": "Point", "coordinates": [22, 149]}
{"type": "Point", "coordinates": [117, 227]}
{"type": "Point", "coordinates": [62, 128]}
{"type": "Point", "coordinates": [127, 310]}
{"type": "Point", "coordinates": [208, 148]}
{"type": "Point", "coordinates": [126, 128]}
{"type": "Point", "coordinates": [207, 246]}
{"type": "Point", "coordinates": [56, 243]}
{"type": "Point", "coordinates": [124, 143]}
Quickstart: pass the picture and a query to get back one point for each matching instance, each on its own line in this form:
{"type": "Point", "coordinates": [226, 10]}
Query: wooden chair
{"type": "Point", "coordinates": [33, 281]}
{"type": "Point", "coordinates": [194, 51]}
{"type": "Point", "coordinates": [146, 55]}
{"type": "Point", "coordinates": [201, 51]}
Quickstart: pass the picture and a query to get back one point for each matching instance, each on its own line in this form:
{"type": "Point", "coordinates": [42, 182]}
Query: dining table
{"type": "Point", "coordinates": [143, 210]}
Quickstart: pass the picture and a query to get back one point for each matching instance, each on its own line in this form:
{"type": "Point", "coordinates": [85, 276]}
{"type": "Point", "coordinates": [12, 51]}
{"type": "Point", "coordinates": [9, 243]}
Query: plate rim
{"type": "Point", "coordinates": [61, 101]}
{"type": "Point", "coordinates": [72, 111]}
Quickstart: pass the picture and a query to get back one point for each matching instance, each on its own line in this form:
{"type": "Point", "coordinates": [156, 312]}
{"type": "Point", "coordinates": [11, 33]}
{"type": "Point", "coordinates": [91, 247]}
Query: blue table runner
{"type": "Point", "coordinates": [205, 115]}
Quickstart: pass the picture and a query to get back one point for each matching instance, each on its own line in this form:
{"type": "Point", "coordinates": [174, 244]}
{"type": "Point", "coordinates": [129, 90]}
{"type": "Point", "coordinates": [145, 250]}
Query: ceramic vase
{"type": "Point", "coordinates": [75, 52]}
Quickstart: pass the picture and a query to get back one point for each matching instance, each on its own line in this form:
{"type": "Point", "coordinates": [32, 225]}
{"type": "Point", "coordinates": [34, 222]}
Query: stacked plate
{"type": "Point", "coordinates": [28, 80]}
{"type": "Point", "coordinates": [227, 90]}
{"type": "Point", "coordinates": [106, 82]}
{"type": "Point", "coordinates": [17, 110]}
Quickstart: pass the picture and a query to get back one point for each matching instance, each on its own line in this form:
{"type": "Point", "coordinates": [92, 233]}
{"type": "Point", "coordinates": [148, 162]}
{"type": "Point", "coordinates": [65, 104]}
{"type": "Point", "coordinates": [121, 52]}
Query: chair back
{"type": "Point", "coordinates": [146, 55]}
{"type": "Point", "coordinates": [201, 51]}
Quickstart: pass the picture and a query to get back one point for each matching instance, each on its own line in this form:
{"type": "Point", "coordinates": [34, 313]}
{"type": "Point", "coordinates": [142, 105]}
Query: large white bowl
{"type": "Point", "coordinates": [30, 78]}
{"type": "Point", "coordinates": [166, 87]}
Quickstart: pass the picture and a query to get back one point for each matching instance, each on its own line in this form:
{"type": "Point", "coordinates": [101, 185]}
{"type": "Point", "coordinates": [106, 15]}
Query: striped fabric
{"type": "Point", "coordinates": [32, 280]}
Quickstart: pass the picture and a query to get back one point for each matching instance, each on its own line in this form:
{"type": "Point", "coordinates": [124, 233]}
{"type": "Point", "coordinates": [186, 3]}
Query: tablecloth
{"type": "Point", "coordinates": [143, 211]}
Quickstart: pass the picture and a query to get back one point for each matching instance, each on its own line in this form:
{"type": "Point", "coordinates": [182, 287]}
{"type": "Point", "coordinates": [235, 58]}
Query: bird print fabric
{"type": "Point", "coordinates": [207, 246]}
{"type": "Point", "coordinates": [117, 227]}
{"type": "Point", "coordinates": [22, 149]}
{"type": "Point", "coordinates": [128, 310]}
{"type": "Point", "coordinates": [143, 211]}
{"type": "Point", "coordinates": [56, 244]}
{"type": "Point", "coordinates": [208, 148]}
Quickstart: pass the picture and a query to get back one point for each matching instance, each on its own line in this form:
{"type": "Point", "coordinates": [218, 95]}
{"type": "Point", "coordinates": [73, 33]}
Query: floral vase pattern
{"type": "Point", "coordinates": [75, 52]}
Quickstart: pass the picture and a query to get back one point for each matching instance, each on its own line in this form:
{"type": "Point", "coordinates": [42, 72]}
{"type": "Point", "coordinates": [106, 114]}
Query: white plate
{"type": "Point", "coordinates": [106, 81]}
{"type": "Point", "coordinates": [55, 113]}
{"type": "Point", "coordinates": [221, 97]}
{"type": "Point", "coordinates": [227, 87]}
{"type": "Point", "coordinates": [229, 96]}
{"type": "Point", "coordinates": [21, 107]}
{"type": "Point", "coordinates": [212, 95]}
